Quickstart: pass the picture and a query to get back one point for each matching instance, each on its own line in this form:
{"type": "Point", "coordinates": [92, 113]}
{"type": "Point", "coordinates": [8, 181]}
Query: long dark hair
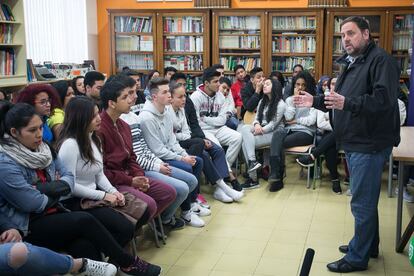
{"type": "Point", "coordinates": [75, 89]}
{"type": "Point", "coordinates": [309, 82]}
{"type": "Point", "coordinates": [276, 97]}
{"type": "Point", "coordinates": [78, 115]}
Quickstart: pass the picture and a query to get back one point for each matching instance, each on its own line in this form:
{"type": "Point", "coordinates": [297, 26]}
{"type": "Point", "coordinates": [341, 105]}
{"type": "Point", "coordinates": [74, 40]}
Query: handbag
{"type": "Point", "coordinates": [133, 209]}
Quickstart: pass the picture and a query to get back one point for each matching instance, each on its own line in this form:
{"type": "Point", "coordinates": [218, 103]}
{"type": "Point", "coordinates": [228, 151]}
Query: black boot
{"type": "Point", "coordinates": [276, 174]}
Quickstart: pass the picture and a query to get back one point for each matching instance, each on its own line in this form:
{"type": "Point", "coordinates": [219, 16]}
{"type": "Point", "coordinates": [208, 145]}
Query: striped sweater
{"type": "Point", "coordinates": [145, 157]}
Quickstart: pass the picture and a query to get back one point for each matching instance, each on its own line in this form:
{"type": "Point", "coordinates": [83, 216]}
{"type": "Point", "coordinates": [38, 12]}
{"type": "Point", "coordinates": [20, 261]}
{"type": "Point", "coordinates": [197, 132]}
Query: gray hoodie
{"type": "Point", "coordinates": [157, 129]}
{"type": "Point", "coordinates": [305, 117]}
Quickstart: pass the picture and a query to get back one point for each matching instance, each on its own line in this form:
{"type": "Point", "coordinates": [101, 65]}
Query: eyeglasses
{"type": "Point", "coordinates": [43, 102]}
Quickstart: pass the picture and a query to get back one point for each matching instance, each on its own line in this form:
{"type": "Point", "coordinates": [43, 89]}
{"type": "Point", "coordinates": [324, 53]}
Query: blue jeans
{"type": "Point", "coordinates": [183, 183]}
{"type": "Point", "coordinates": [232, 122]}
{"type": "Point", "coordinates": [40, 261]}
{"type": "Point", "coordinates": [195, 170]}
{"type": "Point", "coordinates": [365, 170]}
{"type": "Point", "coordinates": [215, 164]}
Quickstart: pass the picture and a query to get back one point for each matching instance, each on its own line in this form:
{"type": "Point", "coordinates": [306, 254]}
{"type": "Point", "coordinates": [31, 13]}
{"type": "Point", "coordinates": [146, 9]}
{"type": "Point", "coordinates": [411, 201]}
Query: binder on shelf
{"type": "Point", "coordinates": [6, 13]}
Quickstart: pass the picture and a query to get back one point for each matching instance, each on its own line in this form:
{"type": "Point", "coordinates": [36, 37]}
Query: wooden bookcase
{"type": "Point", "coordinates": [12, 48]}
{"type": "Point", "coordinates": [295, 37]}
{"type": "Point", "coordinates": [400, 27]}
{"type": "Point", "coordinates": [333, 47]}
{"type": "Point", "coordinates": [239, 37]}
{"type": "Point", "coordinates": [133, 40]}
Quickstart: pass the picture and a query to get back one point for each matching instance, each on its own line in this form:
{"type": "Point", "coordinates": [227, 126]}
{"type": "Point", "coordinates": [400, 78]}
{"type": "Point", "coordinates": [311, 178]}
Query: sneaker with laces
{"type": "Point", "coordinates": [190, 218]}
{"type": "Point", "coordinates": [348, 192]}
{"type": "Point", "coordinates": [175, 224]}
{"type": "Point", "coordinates": [199, 210]}
{"type": "Point", "coordinates": [236, 185]}
{"type": "Point", "coordinates": [253, 165]}
{"type": "Point", "coordinates": [250, 184]}
{"type": "Point", "coordinates": [336, 187]}
{"type": "Point", "coordinates": [305, 161]}
{"type": "Point", "coordinates": [220, 195]}
{"type": "Point", "coordinates": [202, 201]}
{"type": "Point", "coordinates": [141, 268]}
{"type": "Point", "coordinates": [95, 268]}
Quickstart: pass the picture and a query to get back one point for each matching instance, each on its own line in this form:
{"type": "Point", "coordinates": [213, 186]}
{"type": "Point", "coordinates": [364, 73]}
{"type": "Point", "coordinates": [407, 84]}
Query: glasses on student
{"type": "Point", "coordinates": [43, 102]}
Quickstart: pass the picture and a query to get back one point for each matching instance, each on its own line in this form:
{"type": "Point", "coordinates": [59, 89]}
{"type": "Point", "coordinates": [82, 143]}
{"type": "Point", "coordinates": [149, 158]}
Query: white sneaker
{"type": "Point", "coordinates": [192, 219]}
{"type": "Point", "coordinates": [235, 195]}
{"type": "Point", "coordinates": [94, 268]}
{"type": "Point", "coordinates": [348, 192]}
{"type": "Point", "coordinates": [220, 195]}
{"type": "Point", "coordinates": [200, 210]}
{"type": "Point", "coordinates": [408, 196]}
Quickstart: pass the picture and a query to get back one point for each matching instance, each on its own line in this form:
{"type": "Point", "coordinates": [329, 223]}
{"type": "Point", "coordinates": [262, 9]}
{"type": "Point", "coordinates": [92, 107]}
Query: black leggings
{"type": "Point", "coordinates": [79, 234]}
{"type": "Point", "coordinates": [327, 146]}
{"type": "Point", "coordinates": [193, 146]}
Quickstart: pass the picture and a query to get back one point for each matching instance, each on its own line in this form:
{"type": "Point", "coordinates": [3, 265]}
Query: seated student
{"type": "Point", "coordinates": [215, 170]}
{"type": "Point", "coordinates": [288, 88]}
{"type": "Point", "coordinates": [323, 85]}
{"type": "Point", "coordinates": [169, 72]}
{"type": "Point", "coordinates": [252, 92]}
{"type": "Point", "coordinates": [93, 83]}
{"type": "Point", "coordinates": [219, 68]}
{"type": "Point", "coordinates": [32, 181]}
{"type": "Point", "coordinates": [65, 93]}
{"type": "Point", "coordinates": [237, 86]}
{"type": "Point", "coordinates": [119, 160]}
{"type": "Point", "coordinates": [182, 181]}
{"type": "Point", "coordinates": [211, 115]}
{"type": "Point", "coordinates": [44, 98]}
{"type": "Point", "coordinates": [136, 76]}
{"type": "Point", "coordinates": [81, 153]}
{"type": "Point", "coordinates": [232, 120]}
{"type": "Point", "coordinates": [269, 117]}
{"type": "Point", "coordinates": [215, 151]}
{"type": "Point", "coordinates": [299, 130]}
{"type": "Point", "coordinates": [151, 75]}
{"type": "Point", "coordinates": [326, 145]}
{"type": "Point", "coordinates": [22, 258]}
{"type": "Point", "coordinates": [157, 130]}
{"type": "Point", "coordinates": [277, 75]}
{"type": "Point", "coordinates": [78, 85]}
{"type": "Point", "coordinates": [3, 96]}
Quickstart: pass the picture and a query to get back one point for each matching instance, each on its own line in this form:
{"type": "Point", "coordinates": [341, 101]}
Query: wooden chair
{"type": "Point", "coordinates": [249, 117]}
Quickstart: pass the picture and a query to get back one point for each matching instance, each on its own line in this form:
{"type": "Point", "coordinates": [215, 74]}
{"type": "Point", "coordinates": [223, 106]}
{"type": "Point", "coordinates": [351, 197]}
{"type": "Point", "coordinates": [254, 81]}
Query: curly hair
{"type": "Point", "coordinates": [309, 82]}
{"type": "Point", "coordinates": [29, 93]}
{"type": "Point", "coordinates": [272, 103]}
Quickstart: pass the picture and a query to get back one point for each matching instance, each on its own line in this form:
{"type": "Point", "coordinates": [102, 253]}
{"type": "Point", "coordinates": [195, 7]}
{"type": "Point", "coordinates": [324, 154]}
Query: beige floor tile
{"type": "Point", "coordinates": [282, 267]}
{"type": "Point", "coordinates": [253, 233]}
{"type": "Point", "coordinates": [286, 236]}
{"type": "Point", "coordinates": [187, 271]}
{"type": "Point", "coordinates": [167, 256]}
{"type": "Point", "coordinates": [397, 261]}
{"type": "Point", "coordinates": [225, 219]}
{"type": "Point", "coordinates": [318, 226]}
{"type": "Point", "coordinates": [398, 273]}
{"type": "Point", "coordinates": [178, 240]}
{"type": "Point", "coordinates": [283, 251]}
{"type": "Point", "coordinates": [293, 225]}
{"type": "Point", "coordinates": [164, 269]}
{"type": "Point", "coordinates": [228, 273]}
{"type": "Point", "coordinates": [209, 244]}
{"type": "Point", "coordinates": [322, 239]}
{"type": "Point", "coordinates": [219, 231]}
{"type": "Point", "coordinates": [260, 220]}
{"type": "Point", "coordinates": [237, 263]}
{"type": "Point", "coordinates": [198, 259]}
{"type": "Point", "coordinates": [325, 254]}
{"type": "Point", "coordinates": [246, 247]}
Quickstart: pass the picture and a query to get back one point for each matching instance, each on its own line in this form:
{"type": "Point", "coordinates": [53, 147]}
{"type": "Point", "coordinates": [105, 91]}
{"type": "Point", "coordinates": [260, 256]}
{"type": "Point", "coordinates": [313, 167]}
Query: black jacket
{"type": "Point", "coordinates": [250, 98]}
{"type": "Point", "coordinates": [192, 121]}
{"type": "Point", "coordinates": [369, 121]}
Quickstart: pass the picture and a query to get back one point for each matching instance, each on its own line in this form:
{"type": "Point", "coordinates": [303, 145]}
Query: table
{"type": "Point", "coordinates": [404, 154]}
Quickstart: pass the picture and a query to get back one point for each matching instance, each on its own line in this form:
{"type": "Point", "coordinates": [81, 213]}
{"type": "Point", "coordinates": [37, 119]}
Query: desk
{"type": "Point", "coordinates": [404, 154]}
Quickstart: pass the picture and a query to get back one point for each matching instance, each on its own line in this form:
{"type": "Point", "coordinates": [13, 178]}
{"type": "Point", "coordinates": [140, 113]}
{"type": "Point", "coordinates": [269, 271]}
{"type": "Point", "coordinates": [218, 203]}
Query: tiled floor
{"type": "Point", "coordinates": [268, 234]}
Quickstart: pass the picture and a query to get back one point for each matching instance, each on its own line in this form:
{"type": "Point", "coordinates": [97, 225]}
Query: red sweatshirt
{"type": "Point", "coordinates": [235, 91]}
{"type": "Point", "coordinates": [119, 160]}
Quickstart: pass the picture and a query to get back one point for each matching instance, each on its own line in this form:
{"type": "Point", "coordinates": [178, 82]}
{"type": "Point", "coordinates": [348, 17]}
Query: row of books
{"type": "Point", "coordinates": [6, 33]}
{"type": "Point", "coordinates": [404, 63]}
{"type": "Point", "coordinates": [7, 62]}
{"type": "Point", "coordinates": [212, 3]}
{"type": "Point", "coordinates": [404, 23]}
{"type": "Point", "coordinates": [230, 62]}
{"type": "Point", "coordinates": [291, 44]}
{"type": "Point", "coordinates": [185, 63]}
{"type": "Point", "coordinates": [286, 64]}
{"type": "Point", "coordinates": [137, 62]}
{"type": "Point", "coordinates": [6, 13]}
{"type": "Point", "coordinates": [402, 42]}
{"type": "Point", "coordinates": [337, 46]}
{"type": "Point", "coordinates": [134, 43]}
{"type": "Point", "coordinates": [240, 42]}
{"type": "Point", "coordinates": [183, 43]}
{"type": "Point", "coordinates": [327, 3]}
{"type": "Point", "coordinates": [183, 24]}
{"type": "Point", "coordinates": [239, 22]}
{"type": "Point", "coordinates": [293, 22]}
{"type": "Point", "coordinates": [133, 24]}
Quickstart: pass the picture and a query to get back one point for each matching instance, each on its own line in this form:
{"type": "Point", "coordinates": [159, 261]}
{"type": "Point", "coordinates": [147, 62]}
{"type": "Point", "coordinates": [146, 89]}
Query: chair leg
{"type": "Point", "coordinates": [154, 230]}
{"type": "Point", "coordinates": [161, 229]}
{"type": "Point", "coordinates": [308, 179]}
{"type": "Point", "coordinates": [134, 246]}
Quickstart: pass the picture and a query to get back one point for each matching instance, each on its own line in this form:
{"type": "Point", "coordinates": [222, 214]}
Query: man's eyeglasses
{"type": "Point", "coordinates": [43, 102]}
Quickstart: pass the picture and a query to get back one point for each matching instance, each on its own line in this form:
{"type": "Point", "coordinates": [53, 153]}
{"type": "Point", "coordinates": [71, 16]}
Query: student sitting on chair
{"type": "Point", "coordinates": [252, 92]}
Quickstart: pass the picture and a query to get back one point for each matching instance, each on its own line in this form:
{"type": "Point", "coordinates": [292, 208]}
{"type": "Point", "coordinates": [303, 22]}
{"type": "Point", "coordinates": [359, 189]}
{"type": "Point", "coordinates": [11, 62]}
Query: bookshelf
{"type": "Point", "coordinates": [133, 41]}
{"type": "Point", "coordinates": [239, 38]}
{"type": "Point", "coordinates": [377, 21]}
{"type": "Point", "coordinates": [183, 42]}
{"type": "Point", "coordinates": [400, 32]}
{"type": "Point", "coordinates": [296, 38]}
{"type": "Point", "coordinates": [12, 44]}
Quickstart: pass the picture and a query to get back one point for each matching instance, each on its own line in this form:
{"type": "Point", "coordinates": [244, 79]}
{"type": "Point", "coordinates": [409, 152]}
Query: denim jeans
{"type": "Point", "coordinates": [215, 164]}
{"type": "Point", "coordinates": [365, 171]}
{"type": "Point", "coordinates": [183, 183]}
{"type": "Point", "coordinates": [195, 170]}
{"type": "Point", "coordinates": [40, 261]}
